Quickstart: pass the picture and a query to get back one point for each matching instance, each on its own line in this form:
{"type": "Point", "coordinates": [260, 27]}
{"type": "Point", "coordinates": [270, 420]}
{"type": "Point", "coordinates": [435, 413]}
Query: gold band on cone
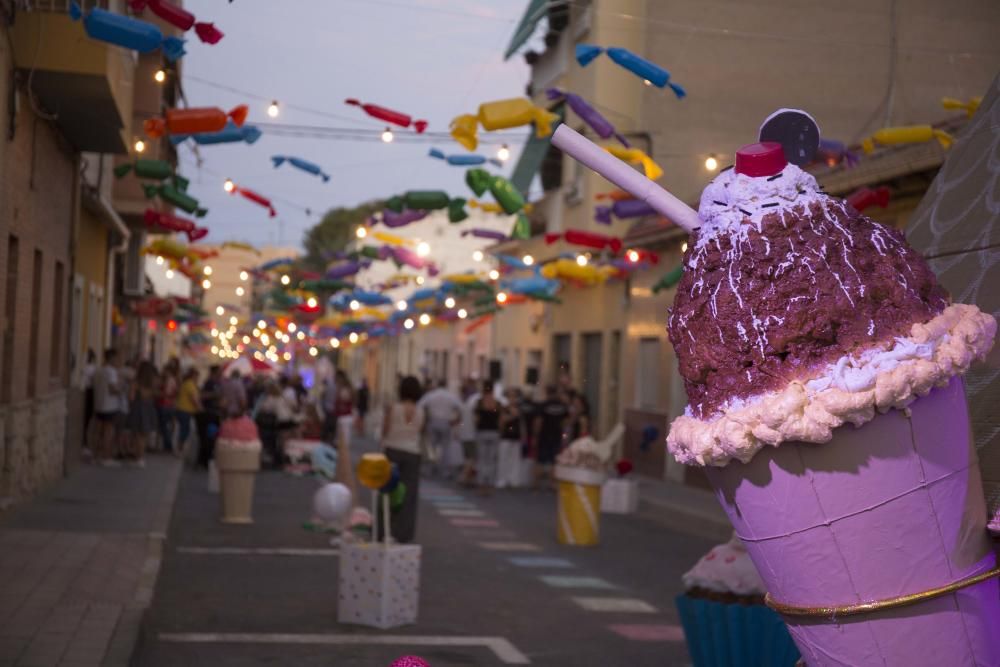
{"type": "Point", "coordinates": [877, 605]}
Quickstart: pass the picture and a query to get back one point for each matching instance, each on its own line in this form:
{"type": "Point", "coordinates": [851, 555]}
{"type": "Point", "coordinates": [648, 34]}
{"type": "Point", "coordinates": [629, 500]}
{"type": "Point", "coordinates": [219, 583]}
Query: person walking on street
{"type": "Point", "coordinates": [487, 438]}
{"type": "Point", "coordinates": [578, 423]}
{"type": "Point", "coordinates": [89, 423]}
{"type": "Point", "coordinates": [209, 417]}
{"type": "Point", "coordinates": [509, 451]}
{"type": "Point", "coordinates": [549, 425]}
{"type": "Point", "coordinates": [188, 405]}
{"type": "Point", "coordinates": [141, 421]}
{"type": "Point", "coordinates": [467, 433]}
{"type": "Point", "coordinates": [401, 430]}
{"type": "Point", "coordinates": [107, 390]}
{"type": "Point", "coordinates": [442, 413]}
{"type": "Point", "coordinates": [170, 383]}
{"type": "Point", "coordinates": [362, 397]}
{"type": "Point", "coordinates": [234, 397]}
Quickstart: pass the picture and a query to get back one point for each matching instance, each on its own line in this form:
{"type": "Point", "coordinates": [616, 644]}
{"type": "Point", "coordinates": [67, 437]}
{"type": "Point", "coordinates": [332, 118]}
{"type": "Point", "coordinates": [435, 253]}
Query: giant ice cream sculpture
{"type": "Point", "coordinates": [822, 363]}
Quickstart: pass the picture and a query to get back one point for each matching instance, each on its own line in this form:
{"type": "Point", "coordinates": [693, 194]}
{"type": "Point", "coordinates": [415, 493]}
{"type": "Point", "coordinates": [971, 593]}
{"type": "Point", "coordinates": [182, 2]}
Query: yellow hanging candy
{"type": "Point", "coordinates": [391, 239]}
{"type": "Point", "coordinates": [490, 207]}
{"type": "Point", "coordinates": [374, 470]}
{"type": "Point", "coordinates": [461, 278]}
{"type": "Point", "coordinates": [463, 130]}
{"type": "Point", "coordinates": [908, 134]}
{"type": "Point", "coordinates": [501, 115]}
{"type": "Point", "coordinates": [635, 156]}
{"type": "Point", "coordinates": [969, 107]}
{"type": "Point", "coordinates": [569, 269]}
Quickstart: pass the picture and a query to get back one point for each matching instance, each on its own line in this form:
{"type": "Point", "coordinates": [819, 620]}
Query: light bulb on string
{"type": "Point", "coordinates": [207, 270]}
{"type": "Point", "coordinates": [244, 276]}
{"type": "Point", "coordinates": [273, 109]}
{"type": "Point", "coordinates": [449, 302]}
{"type": "Point", "coordinates": [311, 302]}
{"type": "Point", "coordinates": [581, 260]}
{"type": "Point", "coordinates": [501, 297]}
{"type": "Point", "coordinates": [477, 256]}
{"type": "Point", "coordinates": [159, 260]}
{"type": "Point", "coordinates": [423, 249]}
{"type": "Point", "coordinates": [170, 274]}
{"type": "Point", "coordinates": [503, 153]}
{"type": "Point", "coordinates": [408, 324]}
{"type": "Point", "coordinates": [334, 343]}
{"type": "Point", "coordinates": [313, 351]}
{"type": "Point", "coordinates": [228, 185]}
{"type": "Point", "coordinates": [219, 310]}
{"type": "Point", "coordinates": [159, 76]}
{"type": "Point", "coordinates": [353, 338]}
{"type": "Point", "coordinates": [262, 324]}
{"type": "Point", "coordinates": [292, 327]}
{"type": "Point", "coordinates": [711, 164]}
{"type": "Point", "coordinates": [425, 319]}
{"type": "Point", "coordinates": [301, 335]}
{"type": "Point", "coordinates": [285, 279]}
{"type": "Point", "coordinates": [139, 145]}
{"type": "Point", "coordinates": [240, 291]}
{"type": "Point", "coordinates": [494, 274]}
{"type": "Point", "coordinates": [361, 232]}
{"type": "Point", "coordinates": [528, 260]}
{"type": "Point", "coordinates": [387, 135]}
{"type": "Point", "coordinates": [206, 284]}
{"type": "Point", "coordinates": [420, 280]}
{"type": "Point", "coordinates": [633, 256]}
{"type": "Point", "coordinates": [684, 247]}
{"type": "Point", "coordinates": [462, 313]}
{"type": "Point", "coordinates": [355, 304]}
{"type": "Point", "coordinates": [400, 305]}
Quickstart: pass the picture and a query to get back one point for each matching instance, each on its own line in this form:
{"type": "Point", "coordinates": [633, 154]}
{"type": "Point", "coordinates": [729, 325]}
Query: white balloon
{"type": "Point", "coordinates": [332, 502]}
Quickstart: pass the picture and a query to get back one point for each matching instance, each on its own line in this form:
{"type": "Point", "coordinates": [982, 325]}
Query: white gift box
{"type": "Point", "coordinates": [379, 584]}
{"type": "Point", "coordinates": [620, 496]}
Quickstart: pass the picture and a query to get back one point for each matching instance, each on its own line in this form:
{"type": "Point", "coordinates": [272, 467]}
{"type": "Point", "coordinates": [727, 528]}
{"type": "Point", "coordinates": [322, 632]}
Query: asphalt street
{"type": "Point", "coordinates": [496, 588]}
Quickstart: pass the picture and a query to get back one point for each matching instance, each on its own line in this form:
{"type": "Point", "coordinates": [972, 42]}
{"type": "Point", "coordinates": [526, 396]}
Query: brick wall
{"type": "Point", "coordinates": [37, 205]}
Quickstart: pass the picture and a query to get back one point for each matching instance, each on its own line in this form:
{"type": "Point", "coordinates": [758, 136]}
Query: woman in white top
{"type": "Point", "coordinates": [404, 422]}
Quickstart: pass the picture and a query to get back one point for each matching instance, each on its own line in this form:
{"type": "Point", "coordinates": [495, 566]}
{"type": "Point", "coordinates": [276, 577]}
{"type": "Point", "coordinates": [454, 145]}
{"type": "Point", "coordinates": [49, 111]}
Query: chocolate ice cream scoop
{"type": "Point", "coordinates": [782, 280]}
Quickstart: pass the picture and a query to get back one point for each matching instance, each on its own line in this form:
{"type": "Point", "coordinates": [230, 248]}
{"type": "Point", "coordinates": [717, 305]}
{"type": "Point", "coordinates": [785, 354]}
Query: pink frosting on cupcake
{"type": "Point", "coordinates": [238, 429]}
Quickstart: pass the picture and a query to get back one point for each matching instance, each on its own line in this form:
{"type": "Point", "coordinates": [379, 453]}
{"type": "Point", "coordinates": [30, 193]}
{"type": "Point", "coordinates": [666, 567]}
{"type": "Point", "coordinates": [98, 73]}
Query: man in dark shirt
{"type": "Point", "coordinates": [549, 425]}
{"type": "Point", "coordinates": [208, 419]}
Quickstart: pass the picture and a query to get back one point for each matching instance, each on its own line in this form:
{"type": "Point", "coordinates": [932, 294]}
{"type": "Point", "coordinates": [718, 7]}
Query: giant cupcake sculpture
{"type": "Point", "coordinates": [823, 363]}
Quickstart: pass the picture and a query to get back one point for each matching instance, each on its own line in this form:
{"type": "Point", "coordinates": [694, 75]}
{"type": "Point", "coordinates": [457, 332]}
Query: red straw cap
{"type": "Point", "coordinates": [766, 158]}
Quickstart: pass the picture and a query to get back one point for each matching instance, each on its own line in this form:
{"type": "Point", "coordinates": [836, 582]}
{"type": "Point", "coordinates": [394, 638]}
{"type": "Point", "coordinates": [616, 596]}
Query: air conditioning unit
{"type": "Point", "coordinates": [134, 274]}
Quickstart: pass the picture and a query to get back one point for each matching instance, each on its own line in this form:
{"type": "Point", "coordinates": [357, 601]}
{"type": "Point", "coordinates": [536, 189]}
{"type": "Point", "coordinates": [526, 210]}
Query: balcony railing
{"type": "Point", "coordinates": [62, 6]}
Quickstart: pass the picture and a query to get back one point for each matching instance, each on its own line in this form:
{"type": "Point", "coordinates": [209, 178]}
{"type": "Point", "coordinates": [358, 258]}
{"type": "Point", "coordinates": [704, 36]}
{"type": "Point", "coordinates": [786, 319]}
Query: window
{"type": "Point", "coordinates": [647, 376]}
{"type": "Point", "coordinates": [36, 307]}
{"type": "Point", "coordinates": [56, 333]}
{"type": "Point", "coordinates": [9, 319]}
{"type": "Point", "coordinates": [560, 356]}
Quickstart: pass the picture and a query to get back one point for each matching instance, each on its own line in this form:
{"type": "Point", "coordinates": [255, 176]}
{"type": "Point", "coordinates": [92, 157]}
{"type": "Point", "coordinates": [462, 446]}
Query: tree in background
{"type": "Point", "coordinates": [334, 232]}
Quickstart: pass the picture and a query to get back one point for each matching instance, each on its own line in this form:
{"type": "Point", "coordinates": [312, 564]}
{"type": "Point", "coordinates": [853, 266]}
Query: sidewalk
{"type": "Point", "coordinates": [687, 509]}
{"type": "Point", "coordinates": [79, 563]}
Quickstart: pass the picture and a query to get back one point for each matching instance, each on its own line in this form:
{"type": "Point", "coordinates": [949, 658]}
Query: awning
{"type": "Point", "coordinates": [532, 156]}
{"type": "Point", "coordinates": [526, 27]}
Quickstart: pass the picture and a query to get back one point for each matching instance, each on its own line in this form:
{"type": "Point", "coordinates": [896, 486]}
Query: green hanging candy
{"type": "Point", "coordinates": [506, 194]}
{"type": "Point", "coordinates": [176, 196]}
{"type": "Point", "coordinates": [456, 210]}
{"type": "Point", "coordinates": [478, 180]}
{"type": "Point", "coordinates": [156, 170]}
{"type": "Point", "coordinates": [370, 251]}
{"type": "Point", "coordinates": [426, 200]}
{"type": "Point", "coordinates": [397, 496]}
{"type": "Point", "coordinates": [394, 204]}
{"type": "Point", "coordinates": [669, 280]}
{"type": "Point", "coordinates": [522, 227]}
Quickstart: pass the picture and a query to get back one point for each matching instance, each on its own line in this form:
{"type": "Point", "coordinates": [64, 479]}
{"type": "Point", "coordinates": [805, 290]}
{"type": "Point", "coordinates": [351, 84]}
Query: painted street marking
{"type": "Point", "coordinates": [482, 523]}
{"type": "Point", "coordinates": [623, 605]}
{"type": "Point", "coordinates": [501, 647]}
{"type": "Point", "coordinates": [259, 551]}
{"type": "Point", "coordinates": [509, 546]}
{"type": "Point", "coordinates": [540, 561]}
{"type": "Point", "coordinates": [560, 581]}
{"type": "Point", "coordinates": [450, 512]}
{"type": "Point", "coordinates": [650, 633]}
{"type": "Point", "coordinates": [490, 534]}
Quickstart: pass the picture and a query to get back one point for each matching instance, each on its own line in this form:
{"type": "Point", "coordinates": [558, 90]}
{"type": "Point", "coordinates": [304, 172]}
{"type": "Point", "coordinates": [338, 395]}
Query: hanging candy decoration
{"type": "Point", "coordinates": [492, 207]}
{"type": "Point", "coordinates": [481, 233]}
{"type": "Point", "coordinates": [512, 262]}
{"type": "Point", "coordinates": [522, 227]}
{"type": "Point", "coordinates": [635, 156]}
{"type": "Point", "coordinates": [863, 198]}
{"type": "Point", "coordinates": [464, 160]}
{"type": "Point", "coordinates": [501, 115]}
{"type": "Point", "coordinates": [178, 17]}
{"type": "Point", "coordinates": [390, 239]}
{"type": "Point", "coordinates": [570, 270]}
{"type": "Point", "coordinates": [587, 239]}
{"type": "Point", "coordinates": [255, 197]}
{"type": "Point", "coordinates": [299, 163]}
{"type": "Point", "coordinates": [409, 258]}
{"type": "Point", "coordinates": [153, 170]}
{"type": "Point", "coordinates": [642, 68]}
{"type": "Point", "coordinates": [276, 263]}
{"type": "Point", "coordinates": [370, 298]}
{"type": "Point", "coordinates": [175, 193]}
{"type": "Point", "coordinates": [197, 234]}
{"type": "Point", "coordinates": [461, 278]}
{"type": "Point", "coordinates": [321, 285]}
{"type": "Point", "coordinates": [166, 247]}
{"type": "Point", "coordinates": [669, 280]}
{"type": "Point", "coordinates": [481, 320]}
{"type": "Point", "coordinates": [239, 245]}
{"type": "Point", "coordinates": [156, 220]}
{"type": "Point", "coordinates": [194, 120]}
{"type": "Point", "coordinates": [397, 496]}
{"type": "Point", "coordinates": [127, 32]}
{"type": "Point", "coordinates": [908, 134]}
{"type": "Point", "coordinates": [833, 152]}
{"type": "Point", "coordinates": [374, 470]}
{"type": "Point", "coordinates": [338, 271]}
{"type": "Point", "coordinates": [392, 219]}
{"type": "Point", "coordinates": [154, 307]}
{"type": "Point", "coordinates": [202, 253]}
{"type": "Point", "coordinates": [614, 195]}
{"type": "Point", "coordinates": [230, 134]}
{"type": "Point", "coordinates": [623, 210]}
{"type": "Point", "coordinates": [601, 126]}
{"type": "Point", "coordinates": [389, 115]}
{"type": "Point", "coordinates": [506, 195]}
{"type": "Point", "coordinates": [429, 200]}
{"type": "Point", "coordinates": [970, 107]}
{"type": "Point", "coordinates": [478, 181]}
{"type": "Point", "coordinates": [639, 256]}
{"type": "Point", "coordinates": [532, 285]}
{"type": "Point", "coordinates": [393, 481]}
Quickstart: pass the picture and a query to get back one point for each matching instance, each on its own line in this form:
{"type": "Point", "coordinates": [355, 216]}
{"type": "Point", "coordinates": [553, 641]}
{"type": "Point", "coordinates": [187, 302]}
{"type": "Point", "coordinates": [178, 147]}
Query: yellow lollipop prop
{"type": "Point", "coordinates": [374, 470]}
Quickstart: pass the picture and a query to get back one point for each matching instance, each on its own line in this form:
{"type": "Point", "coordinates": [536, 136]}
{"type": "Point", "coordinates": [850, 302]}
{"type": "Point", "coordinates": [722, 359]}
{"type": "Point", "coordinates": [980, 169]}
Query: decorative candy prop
{"type": "Point", "coordinates": [535, 285]}
{"type": "Point", "coordinates": [588, 114]}
{"type": "Point", "coordinates": [194, 120]}
{"type": "Point", "coordinates": [239, 245]}
{"type": "Point", "coordinates": [392, 482]}
{"type": "Point", "coordinates": [175, 193]}
{"type": "Point", "coordinates": [490, 207]}
{"type": "Point", "coordinates": [614, 195]}
{"type": "Point", "coordinates": [324, 461]}
{"type": "Point", "coordinates": [397, 496]}
{"type": "Point", "coordinates": [299, 163]}
{"type": "Point", "coordinates": [522, 228]}
{"type": "Point", "coordinates": [179, 17]}
{"type": "Point", "coordinates": [389, 115]}
{"type": "Point", "coordinates": [390, 239]}
{"type": "Point", "coordinates": [429, 200]}
{"type": "Point", "coordinates": [506, 195]}
{"type": "Point", "coordinates": [623, 210]}
{"type": "Point", "coordinates": [590, 155]}
{"type": "Point", "coordinates": [642, 68]}
{"type": "Point", "coordinates": [969, 107]}
{"type": "Point", "coordinates": [332, 502]}
{"type": "Point", "coordinates": [863, 198]}
{"type": "Point", "coordinates": [255, 197]}
{"type": "Point", "coordinates": [230, 134]}
{"type": "Point", "coordinates": [325, 285]}
{"type": "Point", "coordinates": [568, 269]}
{"type": "Point", "coordinates": [126, 32]}
{"type": "Point", "coordinates": [407, 257]}
{"type": "Point", "coordinates": [153, 170]}
{"type": "Point", "coordinates": [669, 280]}
{"type": "Point", "coordinates": [464, 160]}
{"type": "Point", "coordinates": [367, 298]}
{"type": "Point", "coordinates": [392, 219]}
{"type": "Point", "coordinates": [481, 233]}
{"type": "Point", "coordinates": [338, 271]}
{"type": "Point", "coordinates": [909, 134]}
{"type": "Point", "coordinates": [501, 115]}
{"type": "Point", "coordinates": [276, 263]}
{"type": "Point", "coordinates": [165, 221]}
{"type": "Point", "coordinates": [587, 239]}
{"type": "Point", "coordinates": [650, 168]}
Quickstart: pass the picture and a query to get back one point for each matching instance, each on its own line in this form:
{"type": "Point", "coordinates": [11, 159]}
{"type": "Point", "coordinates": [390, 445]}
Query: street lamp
{"type": "Point", "coordinates": [273, 109]}
{"type": "Point", "coordinates": [387, 135]}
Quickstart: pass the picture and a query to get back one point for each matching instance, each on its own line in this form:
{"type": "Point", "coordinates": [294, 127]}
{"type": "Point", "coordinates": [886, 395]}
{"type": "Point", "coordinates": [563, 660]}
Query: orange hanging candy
{"type": "Point", "coordinates": [194, 121]}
